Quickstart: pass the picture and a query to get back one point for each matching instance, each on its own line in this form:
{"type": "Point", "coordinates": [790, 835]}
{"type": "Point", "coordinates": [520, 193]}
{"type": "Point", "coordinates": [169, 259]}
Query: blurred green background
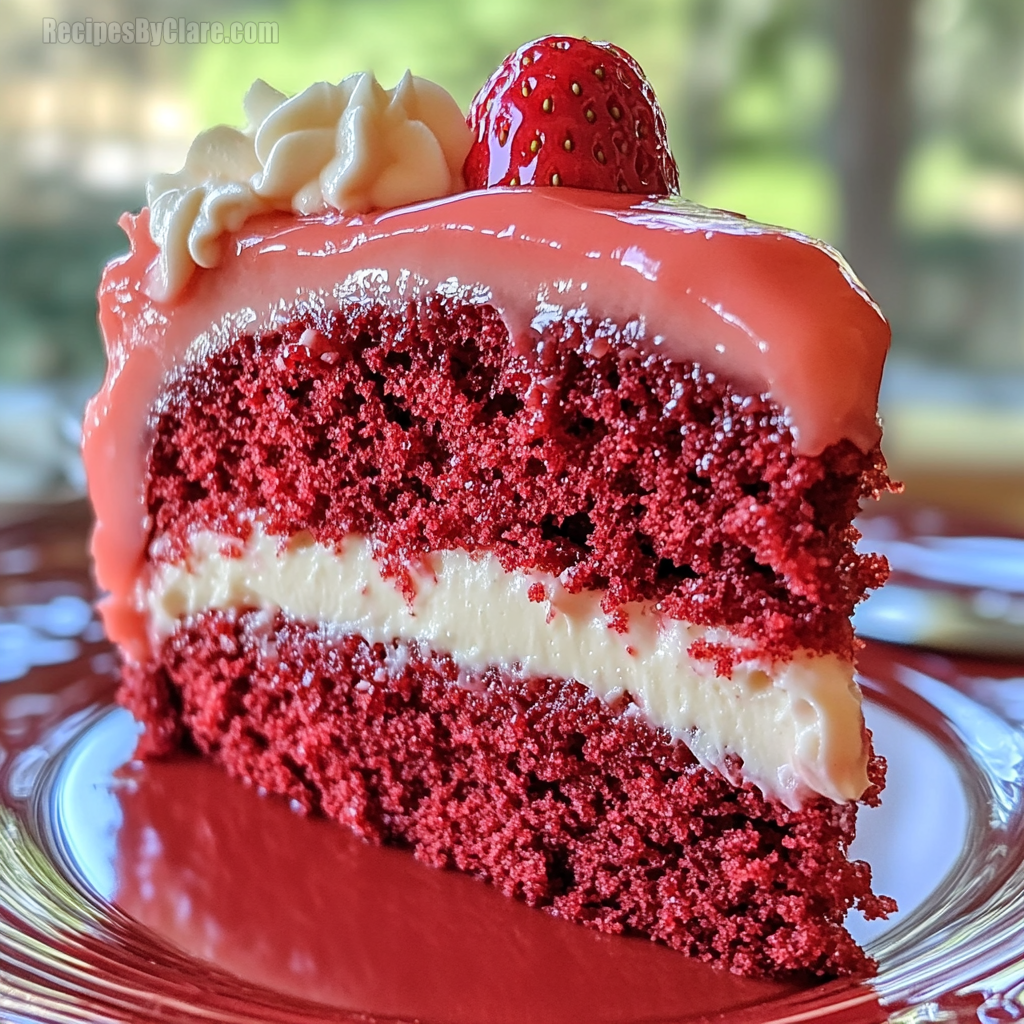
{"type": "Point", "coordinates": [893, 128]}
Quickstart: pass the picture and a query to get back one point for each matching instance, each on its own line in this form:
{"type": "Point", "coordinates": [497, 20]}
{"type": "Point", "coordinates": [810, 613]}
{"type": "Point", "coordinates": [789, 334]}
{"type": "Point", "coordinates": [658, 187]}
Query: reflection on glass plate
{"type": "Point", "coordinates": [953, 587]}
{"type": "Point", "coordinates": [166, 891]}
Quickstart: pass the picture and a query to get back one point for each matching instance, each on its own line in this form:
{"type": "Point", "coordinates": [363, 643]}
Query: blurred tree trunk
{"type": "Point", "coordinates": [873, 123]}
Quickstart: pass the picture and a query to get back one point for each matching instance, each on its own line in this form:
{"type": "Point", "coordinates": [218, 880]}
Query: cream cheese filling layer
{"type": "Point", "coordinates": [797, 725]}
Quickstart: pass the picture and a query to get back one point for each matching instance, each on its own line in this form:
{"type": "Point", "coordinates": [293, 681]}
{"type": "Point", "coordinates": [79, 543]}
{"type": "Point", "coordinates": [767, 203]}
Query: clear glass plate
{"type": "Point", "coordinates": [168, 892]}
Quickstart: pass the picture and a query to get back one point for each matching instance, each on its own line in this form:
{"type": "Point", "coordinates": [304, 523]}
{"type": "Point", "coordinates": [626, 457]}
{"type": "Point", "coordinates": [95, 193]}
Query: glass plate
{"type": "Point", "coordinates": [168, 892]}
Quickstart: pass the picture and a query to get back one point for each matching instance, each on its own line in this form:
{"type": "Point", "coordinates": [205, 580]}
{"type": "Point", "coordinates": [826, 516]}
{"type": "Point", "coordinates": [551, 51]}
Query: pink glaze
{"type": "Point", "coordinates": [772, 310]}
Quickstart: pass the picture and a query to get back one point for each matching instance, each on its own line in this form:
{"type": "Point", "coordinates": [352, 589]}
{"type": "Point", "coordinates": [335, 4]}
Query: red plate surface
{"type": "Point", "coordinates": [168, 892]}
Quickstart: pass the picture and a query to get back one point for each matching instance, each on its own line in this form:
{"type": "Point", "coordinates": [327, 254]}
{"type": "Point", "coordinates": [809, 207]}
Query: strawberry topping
{"type": "Point", "coordinates": [566, 111]}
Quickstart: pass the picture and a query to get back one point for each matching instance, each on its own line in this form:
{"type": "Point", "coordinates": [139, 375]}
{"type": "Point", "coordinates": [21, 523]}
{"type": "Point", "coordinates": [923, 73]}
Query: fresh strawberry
{"type": "Point", "coordinates": [566, 111]}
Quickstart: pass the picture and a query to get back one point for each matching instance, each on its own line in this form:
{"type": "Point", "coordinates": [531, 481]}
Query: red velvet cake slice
{"type": "Point", "coordinates": [510, 525]}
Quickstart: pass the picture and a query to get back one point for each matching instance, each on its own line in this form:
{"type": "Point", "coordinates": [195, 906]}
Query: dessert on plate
{"type": "Point", "coordinates": [464, 484]}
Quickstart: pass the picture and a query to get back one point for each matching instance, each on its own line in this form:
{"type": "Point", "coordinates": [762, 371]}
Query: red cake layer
{"type": "Point", "coordinates": [647, 479]}
{"type": "Point", "coordinates": [559, 799]}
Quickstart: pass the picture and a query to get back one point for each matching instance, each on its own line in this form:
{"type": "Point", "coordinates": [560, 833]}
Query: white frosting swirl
{"type": "Point", "coordinates": [353, 147]}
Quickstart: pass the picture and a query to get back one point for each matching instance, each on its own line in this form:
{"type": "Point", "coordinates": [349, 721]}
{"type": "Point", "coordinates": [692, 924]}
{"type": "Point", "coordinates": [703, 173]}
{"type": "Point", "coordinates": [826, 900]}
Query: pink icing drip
{"type": "Point", "coordinates": [769, 309]}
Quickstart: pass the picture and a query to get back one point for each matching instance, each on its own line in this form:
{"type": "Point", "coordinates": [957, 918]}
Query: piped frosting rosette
{"type": "Point", "coordinates": [352, 147]}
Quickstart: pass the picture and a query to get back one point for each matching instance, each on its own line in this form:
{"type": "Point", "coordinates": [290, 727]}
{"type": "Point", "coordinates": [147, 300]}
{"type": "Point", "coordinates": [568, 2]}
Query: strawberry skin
{"type": "Point", "coordinates": [566, 111]}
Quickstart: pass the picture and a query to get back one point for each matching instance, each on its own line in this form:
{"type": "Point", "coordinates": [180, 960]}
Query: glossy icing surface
{"type": "Point", "coordinates": [770, 309]}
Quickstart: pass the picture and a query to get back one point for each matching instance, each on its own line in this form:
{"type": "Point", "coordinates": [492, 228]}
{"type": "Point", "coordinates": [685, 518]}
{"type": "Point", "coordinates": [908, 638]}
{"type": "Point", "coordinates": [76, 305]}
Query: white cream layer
{"type": "Point", "coordinates": [796, 725]}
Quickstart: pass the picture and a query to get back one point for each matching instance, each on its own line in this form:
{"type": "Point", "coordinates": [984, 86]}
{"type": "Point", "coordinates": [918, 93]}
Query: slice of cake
{"type": "Point", "coordinates": [511, 525]}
